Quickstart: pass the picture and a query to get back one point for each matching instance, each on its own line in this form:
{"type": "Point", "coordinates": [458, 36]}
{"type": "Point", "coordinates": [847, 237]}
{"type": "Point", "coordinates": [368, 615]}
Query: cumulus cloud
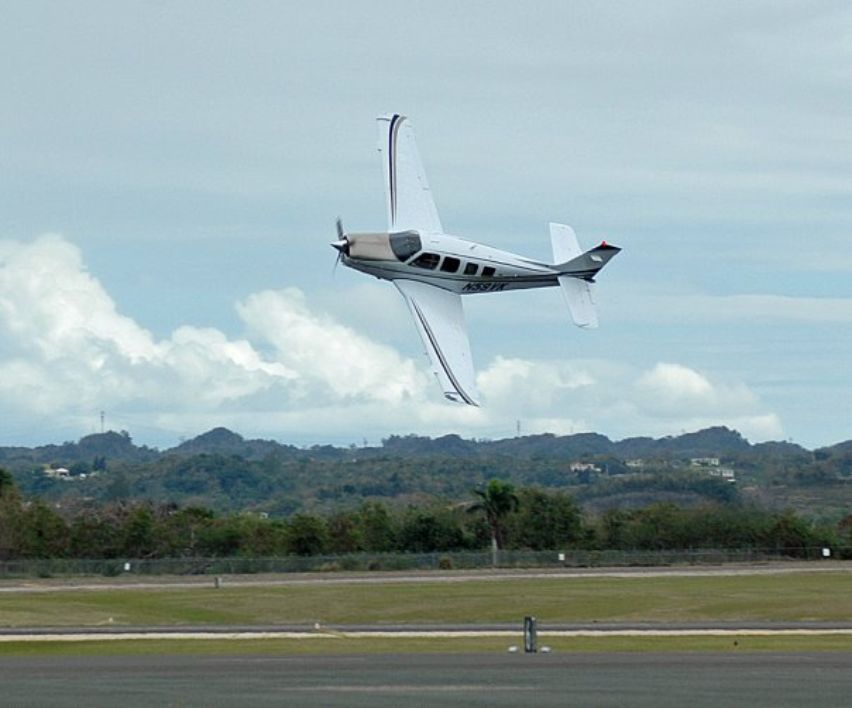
{"type": "Point", "coordinates": [66, 348]}
{"type": "Point", "coordinates": [530, 385]}
{"type": "Point", "coordinates": [676, 393]}
{"type": "Point", "coordinates": [296, 373]}
{"type": "Point", "coordinates": [321, 350]}
{"type": "Point", "coordinates": [622, 400]}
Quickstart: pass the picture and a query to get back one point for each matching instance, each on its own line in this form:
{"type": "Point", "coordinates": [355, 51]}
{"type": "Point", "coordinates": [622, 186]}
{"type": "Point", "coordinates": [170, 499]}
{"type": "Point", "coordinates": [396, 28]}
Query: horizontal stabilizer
{"type": "Point", "coordinates": [587, 265]}
{"type": "Point", "coordinates": [581, 303]}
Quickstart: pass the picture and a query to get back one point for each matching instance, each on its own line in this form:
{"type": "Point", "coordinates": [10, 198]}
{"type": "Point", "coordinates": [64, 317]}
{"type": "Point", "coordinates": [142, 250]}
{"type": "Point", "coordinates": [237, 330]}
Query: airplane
{"type": "Point", "coordinates": [432, 269]}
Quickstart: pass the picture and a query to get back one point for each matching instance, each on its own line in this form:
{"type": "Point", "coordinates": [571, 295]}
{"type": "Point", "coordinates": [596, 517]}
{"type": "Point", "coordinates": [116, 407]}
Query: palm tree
{"type": "Point", "coordinates": [496, 501]}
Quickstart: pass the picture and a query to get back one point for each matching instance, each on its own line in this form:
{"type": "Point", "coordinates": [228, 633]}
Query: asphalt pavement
{"type": "Point", "coordinates": [616, 679]}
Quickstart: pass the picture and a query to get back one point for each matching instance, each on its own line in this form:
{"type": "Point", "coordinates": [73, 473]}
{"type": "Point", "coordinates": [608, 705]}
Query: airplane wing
{"type": "Point", "coordinates": [409, 199]}
{"type": "Point", "coordinates": [439, 318]}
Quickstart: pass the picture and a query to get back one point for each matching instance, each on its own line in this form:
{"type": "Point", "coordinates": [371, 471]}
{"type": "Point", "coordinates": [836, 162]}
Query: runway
{"type": "Point", "coordinates": [659, 679]}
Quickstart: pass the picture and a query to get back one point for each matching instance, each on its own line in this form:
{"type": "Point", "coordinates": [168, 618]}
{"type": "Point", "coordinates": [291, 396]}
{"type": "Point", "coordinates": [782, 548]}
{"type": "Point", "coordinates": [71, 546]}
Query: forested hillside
{"type": "Point", "coordinates": [223, 471]}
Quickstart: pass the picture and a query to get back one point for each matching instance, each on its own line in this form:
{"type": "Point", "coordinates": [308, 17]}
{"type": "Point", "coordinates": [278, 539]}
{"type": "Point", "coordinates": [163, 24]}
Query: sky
{"type": "Point", "coordinates": [170, 174]}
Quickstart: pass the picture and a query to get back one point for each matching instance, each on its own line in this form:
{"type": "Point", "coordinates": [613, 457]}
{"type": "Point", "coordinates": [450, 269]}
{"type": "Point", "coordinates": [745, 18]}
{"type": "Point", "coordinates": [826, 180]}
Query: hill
{"type": "Point", "coordinates": [223, 470]}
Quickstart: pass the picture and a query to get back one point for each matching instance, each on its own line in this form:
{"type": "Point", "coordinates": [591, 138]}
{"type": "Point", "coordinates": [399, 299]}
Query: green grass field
{"type": "Point", "coordinates": [801, 596]}
{"type": "Point", "coordinates": [778, 597]}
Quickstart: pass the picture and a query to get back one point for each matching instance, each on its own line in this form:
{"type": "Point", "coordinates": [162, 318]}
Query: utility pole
{"type": "Point", "coordinates": [102, 422]}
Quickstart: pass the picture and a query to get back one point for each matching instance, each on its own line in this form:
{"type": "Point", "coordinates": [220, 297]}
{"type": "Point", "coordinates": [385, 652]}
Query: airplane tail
{"type": "Point", "coordinates": [577, 271]}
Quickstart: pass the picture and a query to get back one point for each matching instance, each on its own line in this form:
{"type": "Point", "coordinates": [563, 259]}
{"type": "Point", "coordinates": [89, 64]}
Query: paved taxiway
{"type": "Point", "coordinates": [132, 581]}
{"type": "Point", "coordinates": [659, 679]}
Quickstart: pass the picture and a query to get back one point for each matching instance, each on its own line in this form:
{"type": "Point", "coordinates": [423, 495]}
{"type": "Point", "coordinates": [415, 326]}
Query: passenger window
{"type": "Point", "coordinates": [470, 269]}
{"type": "Point", "coordinates": [429, 261]}
{"type": "Point", "coordinates": [487, 272]}
{"type": "Point", "coordinates": [450, 264]}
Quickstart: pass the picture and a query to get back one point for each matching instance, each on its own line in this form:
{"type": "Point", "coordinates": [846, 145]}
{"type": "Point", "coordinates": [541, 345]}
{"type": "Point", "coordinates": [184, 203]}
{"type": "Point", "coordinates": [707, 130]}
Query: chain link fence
{"type": "Point", "coordinates": [462, 560]}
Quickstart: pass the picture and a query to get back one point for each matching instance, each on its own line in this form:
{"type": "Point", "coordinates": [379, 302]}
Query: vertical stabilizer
{"type": "Point", "coordinates": [564, 243]}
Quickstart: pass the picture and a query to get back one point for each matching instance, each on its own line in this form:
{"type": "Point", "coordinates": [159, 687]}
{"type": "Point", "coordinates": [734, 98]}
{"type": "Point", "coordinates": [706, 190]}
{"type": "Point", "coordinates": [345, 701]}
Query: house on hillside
{"type": "Point", "coordinates": [704, 462]}
{"type": "Point", "coordinates": [577, 467]}
{"type": "Point", "coordinates": [713, 467]}
{"type": "Point", "coordinates": [57, 473]}
{"type": "Point", "coordinates": [725, 473]}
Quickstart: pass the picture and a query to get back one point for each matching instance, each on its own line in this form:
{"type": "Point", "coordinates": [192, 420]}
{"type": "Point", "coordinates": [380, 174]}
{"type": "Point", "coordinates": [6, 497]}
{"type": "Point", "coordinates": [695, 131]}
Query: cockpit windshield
{"type": "Point", "coordinates": [405, 244]}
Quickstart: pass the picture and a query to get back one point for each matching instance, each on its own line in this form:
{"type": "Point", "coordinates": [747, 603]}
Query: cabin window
{"type": "Point", "coordinates": [487, 272]}
{"type": "Point", "coordinates": [450, 264]}
{"type": "Point", "coordinates": [429, 261]}
{"type": "Point", "coordinates": [470, 269]}
{"type": "Point", "coordinates": [405, 244]}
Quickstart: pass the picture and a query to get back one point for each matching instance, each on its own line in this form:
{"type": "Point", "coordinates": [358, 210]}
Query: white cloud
{"type": "Point", "coordinates": [621, 400]}
{"type": "Point", "coordinates": [681, 396]}
{"type": "Point", "coordinates": [323, 351]}
{"type": "Point", "coordinates": [299, 374]}
{"type": "Point", "coordinates": [53, 308]}
{"type": "Point", "coordinates": [533, 386]}
{"type": "Point", "coordinates": [675, 382]}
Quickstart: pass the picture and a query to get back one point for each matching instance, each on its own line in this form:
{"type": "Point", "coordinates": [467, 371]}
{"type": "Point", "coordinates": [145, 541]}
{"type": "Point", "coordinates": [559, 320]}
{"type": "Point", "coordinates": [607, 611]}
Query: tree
{"type": "Point", "coordinates": [7, 485]}
{"type": "Point", "coordinates": [94, 535]}
{"type": "Point", "coordinates": [790, 533]}
{"type": "Point", "coordinates": [377, 527]}
{"type": "Point", "coordinates": [307, 535]}
{"type": "Point", "coordinates": [262, 537]}
{"type": "Point", "coordinates": [138, 532]}
{"type": "Point", "coordinates": [429, 530]}
{"type": "Point", "coordinates": [10, 517]}
{"type": "Point", "coordinates": [45, 534]}
{"type": "Point", "coordinates": [181, 529]}
{"type": "Point", "coordinates": [545, 520]}
{"type": "Point", "coordinates": [220, 537]}
{"type": "Point", "coordinates": [496, 501]}
{"type": "Point", "coordinates": [344, 532]}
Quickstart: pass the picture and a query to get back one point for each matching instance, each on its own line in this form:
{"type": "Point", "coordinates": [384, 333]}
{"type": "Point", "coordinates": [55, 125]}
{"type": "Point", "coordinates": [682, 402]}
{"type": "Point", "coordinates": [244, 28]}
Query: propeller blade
{"type": "Point", "coordinates": [341, 245]}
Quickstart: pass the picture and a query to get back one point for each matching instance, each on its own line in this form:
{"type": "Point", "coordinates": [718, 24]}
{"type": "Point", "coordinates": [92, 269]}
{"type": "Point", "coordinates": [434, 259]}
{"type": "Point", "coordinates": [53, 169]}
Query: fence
{"type": "Point", "coordinates": [461, 560]}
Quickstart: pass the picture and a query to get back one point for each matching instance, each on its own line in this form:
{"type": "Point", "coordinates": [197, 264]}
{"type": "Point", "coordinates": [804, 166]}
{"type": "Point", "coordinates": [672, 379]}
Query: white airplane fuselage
{"type": "Point", "coordinates": [448, 262]}
{"type": "Point", "coordinates": [432, 269]}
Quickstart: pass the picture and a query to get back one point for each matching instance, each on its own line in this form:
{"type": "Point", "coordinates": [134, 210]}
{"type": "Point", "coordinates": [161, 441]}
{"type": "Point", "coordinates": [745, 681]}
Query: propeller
{"type": "Point", "coordinates": [341, 245]}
